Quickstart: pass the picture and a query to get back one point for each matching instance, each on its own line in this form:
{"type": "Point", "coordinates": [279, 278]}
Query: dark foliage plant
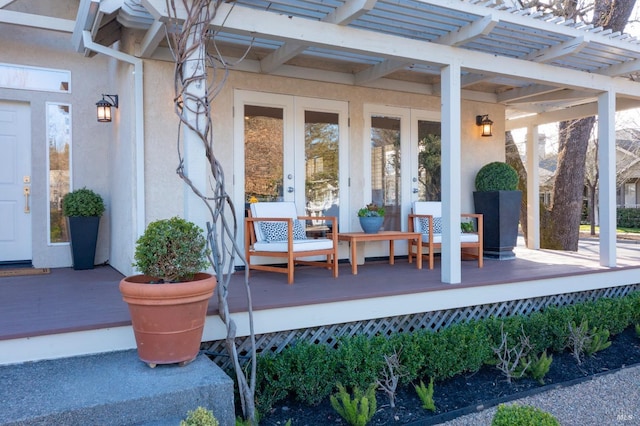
{"type": "Point", "coordinates": [82, 202]}
{"type": "Point", "coordinates": [496, 176]}
{"type": "Point", "coordinates": [171, 250]}
{"type": "Point", "coordinates": [310, 372]}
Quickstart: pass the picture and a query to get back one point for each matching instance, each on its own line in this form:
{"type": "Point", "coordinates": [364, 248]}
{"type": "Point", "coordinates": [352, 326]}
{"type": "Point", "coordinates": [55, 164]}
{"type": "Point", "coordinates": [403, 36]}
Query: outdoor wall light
{"type": "Point", "coordinates": [104, 107]}
{"type": "Point", "coordinates": [484, 122]}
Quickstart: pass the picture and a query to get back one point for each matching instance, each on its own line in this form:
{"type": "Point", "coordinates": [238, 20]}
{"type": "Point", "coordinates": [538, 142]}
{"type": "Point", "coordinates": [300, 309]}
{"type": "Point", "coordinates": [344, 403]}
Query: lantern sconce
{"type": "Point", "coordinates": [486, 124]}
{"type": "Point", "coordinates": [104, 107]}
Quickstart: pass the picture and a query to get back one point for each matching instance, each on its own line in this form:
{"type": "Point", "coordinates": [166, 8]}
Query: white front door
{"type": "Point", "coordinates": [15, 182]}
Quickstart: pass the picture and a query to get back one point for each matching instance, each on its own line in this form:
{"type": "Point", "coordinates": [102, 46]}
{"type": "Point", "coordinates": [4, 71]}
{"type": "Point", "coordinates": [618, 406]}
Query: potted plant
{"type": "Point", "coordinates": [168, 302]}
{"type": "Point", "coordinates": [498, 199]}
{"type": "Point", "coordinates": [83, 209]}
{"type": "Point", "coordinates": [371, 217]}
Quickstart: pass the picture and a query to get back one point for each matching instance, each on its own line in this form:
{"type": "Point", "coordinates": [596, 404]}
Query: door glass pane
{"type": "Point", "coordinates": [428, 161]}
{"type": "Point", "coordinates": [58, 161]}
{"type": "Point", "coordinates": [321, 140]}
{"type": "Point", "coordinates": [263, 153]}
{"type": "Point", "coordinates": [385, 168]}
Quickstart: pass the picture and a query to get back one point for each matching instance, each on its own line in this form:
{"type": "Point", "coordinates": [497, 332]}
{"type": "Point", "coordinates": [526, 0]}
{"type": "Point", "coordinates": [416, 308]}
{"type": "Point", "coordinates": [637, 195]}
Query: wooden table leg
{"type": "Point", "coordinates": [354, 257]}
{"type": "Point", "coordinates": [419, 252]}
{"type": "Point", "coordinates": [391, 258]}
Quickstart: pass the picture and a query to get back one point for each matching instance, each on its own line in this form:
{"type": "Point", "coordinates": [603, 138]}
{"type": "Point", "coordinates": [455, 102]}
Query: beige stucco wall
{"type": "Point", "coordinates": [90, 139]}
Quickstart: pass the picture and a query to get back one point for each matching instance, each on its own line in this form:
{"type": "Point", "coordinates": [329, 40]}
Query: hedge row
{"type": "Point", "coordinates": [309, 372]}
{"type": "Point", "coordinates": [628, 218]}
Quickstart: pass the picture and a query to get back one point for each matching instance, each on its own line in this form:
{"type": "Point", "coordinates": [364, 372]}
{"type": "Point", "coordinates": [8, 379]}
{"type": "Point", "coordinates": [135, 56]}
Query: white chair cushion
{"type": "Point", "coordinates": [271, 209]}
{"type": "Point", "coordinates": [433, 208]}
{"type": "Point", "coordinates": [464, 238]}
{"type": "Point", "coordinates": [298, 245]}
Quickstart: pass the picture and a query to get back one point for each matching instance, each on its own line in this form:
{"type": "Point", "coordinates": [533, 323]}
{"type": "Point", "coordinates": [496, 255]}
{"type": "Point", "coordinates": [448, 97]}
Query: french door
{"type": "Point", "coordinates": [402, 157]}
{"type": "Point", "coordinates": [290, 148]}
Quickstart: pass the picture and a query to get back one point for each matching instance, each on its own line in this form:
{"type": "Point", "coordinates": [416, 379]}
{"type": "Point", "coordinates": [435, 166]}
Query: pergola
{"type": "Point", "coordinates": [540, 67]}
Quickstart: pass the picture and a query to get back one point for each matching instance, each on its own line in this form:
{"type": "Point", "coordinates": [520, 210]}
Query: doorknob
{"type": "Point", "coordinates": [415, 190]}
{"type": "Point", "coordinates": [290, 189]}
{"type": "Point", "coordinates": [26, 191]}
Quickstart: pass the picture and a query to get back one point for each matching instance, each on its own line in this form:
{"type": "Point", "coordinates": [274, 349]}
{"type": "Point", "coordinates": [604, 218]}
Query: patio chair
{"type": "Point", "coordinates": [426, 218]}
{"type": "Point", "coordinates": [273, 229]}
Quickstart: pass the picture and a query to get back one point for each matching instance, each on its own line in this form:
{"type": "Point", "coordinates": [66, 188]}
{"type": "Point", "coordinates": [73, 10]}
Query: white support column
{"type": "Point", "coordinates": [451, 187]}
{"type": "Point", "coordinates": [533, 188]}
{"type": "Point", "coordinates": [607, 173]}
{"type": "Point", "coordinates": [195, 162]}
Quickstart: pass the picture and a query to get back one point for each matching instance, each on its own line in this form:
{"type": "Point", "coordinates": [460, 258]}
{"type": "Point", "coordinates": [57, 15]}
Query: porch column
{"type": "Point", "coordinates": [450, 169]}
{"type": "Point", "coordinates": [193, 148]}
{"type": "Point", "coordinates": [533, 188]}
{"type": "Point", "coordinates": [607, 173]}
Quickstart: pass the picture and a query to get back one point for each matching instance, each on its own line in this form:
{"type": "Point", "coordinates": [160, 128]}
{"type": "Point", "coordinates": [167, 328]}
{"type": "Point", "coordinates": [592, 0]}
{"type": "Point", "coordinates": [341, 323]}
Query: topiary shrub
{"type": "Point", "coordinates": [497, 176]}
{"type": "Point", "coordinates": [522, 415]}
{"type": "Point", "coordinates": [82, 202]}
{"type": "Point", "coordinates": [200, 417]}
{"type": "Point", "coordinates": [171, 250]}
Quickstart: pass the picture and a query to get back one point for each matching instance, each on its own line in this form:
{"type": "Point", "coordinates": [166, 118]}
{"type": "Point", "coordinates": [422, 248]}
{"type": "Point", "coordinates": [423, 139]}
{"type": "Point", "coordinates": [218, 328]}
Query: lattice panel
{"type": "Point", "coordinates": [435, 320]}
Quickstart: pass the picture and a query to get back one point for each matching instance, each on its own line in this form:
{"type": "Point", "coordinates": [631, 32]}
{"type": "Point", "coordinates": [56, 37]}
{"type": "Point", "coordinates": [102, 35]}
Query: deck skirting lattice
{"type": "Point", "coordinates": [434, 320]}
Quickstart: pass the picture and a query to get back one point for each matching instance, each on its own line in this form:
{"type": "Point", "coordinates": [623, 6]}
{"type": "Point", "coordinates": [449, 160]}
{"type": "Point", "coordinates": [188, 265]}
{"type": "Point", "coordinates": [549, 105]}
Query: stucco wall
{"type": "Point", "coordinates": [90, 139]}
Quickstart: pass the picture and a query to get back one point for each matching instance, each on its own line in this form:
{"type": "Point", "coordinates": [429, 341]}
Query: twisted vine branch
{"type": "Point", "coordinates": [199, 77]}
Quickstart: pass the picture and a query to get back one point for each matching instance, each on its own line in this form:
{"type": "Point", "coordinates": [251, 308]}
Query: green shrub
{"type": "Point", "coordinates": [200, 417]}
{"type": "Point", "coordinates": [628, 218]}
{"type": "Point", "coordinates": [497, 176]}
{"type": "Point", "coordinates": [359, 410]}
{"type": "Point", "coordinates": [171, 250]}
{"type": "Point", "coordinates": [273, 380]}
{"type": "Point", "coordinates": [313, 368]}
{"type": "Point", "coordinates": [82, 202]}
{"type": "Point", "coordinates": [522, 415]}
{"type": "Point", "coordinates": [359, 359]}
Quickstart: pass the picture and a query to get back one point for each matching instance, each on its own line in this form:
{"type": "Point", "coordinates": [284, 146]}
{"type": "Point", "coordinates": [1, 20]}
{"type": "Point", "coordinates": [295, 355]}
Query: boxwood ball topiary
{"type": "Point", "coordinates": [497, 176]}
{"type": "Point", "coordinates": [82, 202]}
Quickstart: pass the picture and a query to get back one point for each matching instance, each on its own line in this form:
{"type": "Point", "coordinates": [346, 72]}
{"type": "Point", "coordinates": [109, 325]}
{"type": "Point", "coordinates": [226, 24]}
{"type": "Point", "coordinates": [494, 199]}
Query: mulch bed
{"type": "Point", "coordinates": [465, 394]}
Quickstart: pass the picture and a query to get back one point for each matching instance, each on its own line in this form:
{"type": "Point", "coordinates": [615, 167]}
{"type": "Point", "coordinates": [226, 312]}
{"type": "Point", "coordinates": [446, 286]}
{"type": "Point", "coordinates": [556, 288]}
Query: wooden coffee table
{"type": "Point", "coordinates": [355, 237]}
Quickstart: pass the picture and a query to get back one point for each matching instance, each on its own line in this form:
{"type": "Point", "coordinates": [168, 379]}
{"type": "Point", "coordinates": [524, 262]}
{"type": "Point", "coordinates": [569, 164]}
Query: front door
{"type": "Point", "coordinates": [291, 148]}
{"type": "Point", "coordinates": [15, 182]}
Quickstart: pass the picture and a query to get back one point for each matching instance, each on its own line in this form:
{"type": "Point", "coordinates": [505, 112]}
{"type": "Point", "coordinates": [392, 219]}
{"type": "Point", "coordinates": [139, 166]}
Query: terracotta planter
{"type": "Point", "coordinates": [168, 319]}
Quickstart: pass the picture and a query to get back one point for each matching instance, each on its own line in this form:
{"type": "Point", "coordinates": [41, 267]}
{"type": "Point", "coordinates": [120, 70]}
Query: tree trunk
{"type": "Point", "coordinates": [514, 160]}
{"type": "Point", "coordinates": [560, 225]}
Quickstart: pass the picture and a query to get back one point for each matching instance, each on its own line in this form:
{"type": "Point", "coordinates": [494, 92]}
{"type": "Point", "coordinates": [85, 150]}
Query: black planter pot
{"type": "Point", "coordinates": [84, 236]}
{"type": "Point", "coordinates": [501, 214]}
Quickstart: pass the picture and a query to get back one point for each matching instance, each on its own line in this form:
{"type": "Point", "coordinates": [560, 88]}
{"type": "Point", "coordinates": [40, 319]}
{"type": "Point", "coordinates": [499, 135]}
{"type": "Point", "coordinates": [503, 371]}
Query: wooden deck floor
{"type": "Point", "coordinates": [66, 300]}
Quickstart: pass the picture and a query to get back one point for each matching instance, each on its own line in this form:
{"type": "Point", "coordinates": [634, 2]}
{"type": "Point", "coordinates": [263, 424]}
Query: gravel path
{"type": "Point", "coordinates": [611, 399]}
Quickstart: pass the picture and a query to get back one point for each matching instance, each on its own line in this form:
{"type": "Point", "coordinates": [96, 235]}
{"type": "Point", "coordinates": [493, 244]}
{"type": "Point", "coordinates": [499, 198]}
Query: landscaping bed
{"type": "Point", "coordinates": [469, 392]}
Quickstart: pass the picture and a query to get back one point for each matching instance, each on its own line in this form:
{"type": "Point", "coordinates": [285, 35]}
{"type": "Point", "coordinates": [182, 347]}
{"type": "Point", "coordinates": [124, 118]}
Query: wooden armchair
{"type": "Point", "coordinates": [426, 219]}
{"type": "Point", "coordinates": [273, 229]}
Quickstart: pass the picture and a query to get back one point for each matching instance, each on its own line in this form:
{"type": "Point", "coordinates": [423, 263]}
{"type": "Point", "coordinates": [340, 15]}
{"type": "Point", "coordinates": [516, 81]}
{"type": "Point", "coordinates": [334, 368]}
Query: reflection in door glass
{"type": "Point", "coordinates": [58, 158]}
{"type": "Point", "coordinates": [321, 163]}
{"type": "Point", "coordinates": [385, 169]}
{"type": "Point", "coordinates": [263, 153]}
{"type": "Point", "coordinates": [428, 161]}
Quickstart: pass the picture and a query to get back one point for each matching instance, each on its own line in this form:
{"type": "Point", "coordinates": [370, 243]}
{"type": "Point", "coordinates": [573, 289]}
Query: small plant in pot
{"type": "Point", "coordinates": [371, 218]}
{"type": "Point", "coordinates": [168, 302]}
{"type": "Point", "coordinates": [498, 199]}
{"type": "Point", "coordinates": [83, 209]}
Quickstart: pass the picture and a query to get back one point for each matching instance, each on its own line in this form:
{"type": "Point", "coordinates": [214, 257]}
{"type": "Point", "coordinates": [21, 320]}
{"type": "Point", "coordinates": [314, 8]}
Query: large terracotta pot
{"type": "Point", "coordinates": [168, 319]}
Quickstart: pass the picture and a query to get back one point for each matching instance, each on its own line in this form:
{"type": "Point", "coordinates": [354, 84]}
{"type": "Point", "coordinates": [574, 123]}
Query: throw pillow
{"type": "Point", "coordinates": [424, 225]}
{"type": "Point", "coordinates": [277, 231]}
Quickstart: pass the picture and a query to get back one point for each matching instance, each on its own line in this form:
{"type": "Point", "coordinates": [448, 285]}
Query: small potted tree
{"type": "Point", "coordinates": [371, 218]}
{"type": "Point", "coordinates": [497, 198]}
{"type": "Point", "coordinates": [168, 302]}
{"type": "Point", "coordinates": [83, 209]}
